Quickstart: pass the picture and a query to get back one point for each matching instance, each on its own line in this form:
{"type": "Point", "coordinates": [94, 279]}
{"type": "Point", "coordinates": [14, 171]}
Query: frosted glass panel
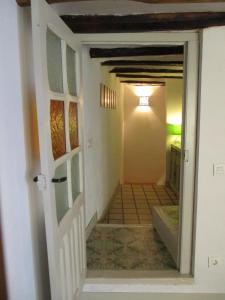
{"type": "Point", "coordinates": [75, 176]}
{"type": "Point", "coordinates": [54, 62]}
{"type": "Point", "coordinates": [71, 70]}
{"type": "Point", "coordinates": [61, 191]}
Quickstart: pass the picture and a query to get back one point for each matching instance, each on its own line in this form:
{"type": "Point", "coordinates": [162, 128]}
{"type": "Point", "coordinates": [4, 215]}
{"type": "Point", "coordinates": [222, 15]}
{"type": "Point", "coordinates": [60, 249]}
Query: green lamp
{"type": "Point", "coordinates": [174, 129]}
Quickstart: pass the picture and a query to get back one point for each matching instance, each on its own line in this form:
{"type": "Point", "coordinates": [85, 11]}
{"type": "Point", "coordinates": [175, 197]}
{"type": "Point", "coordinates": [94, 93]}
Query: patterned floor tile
{"type": "Point", "coordinates": [127, 248]}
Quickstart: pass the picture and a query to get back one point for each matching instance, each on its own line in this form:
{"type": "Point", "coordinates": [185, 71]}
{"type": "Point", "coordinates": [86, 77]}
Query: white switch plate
{"type": "Point", "coordinates": [219, 169]}
{"type": "Point", "coordinates": [213, 261]}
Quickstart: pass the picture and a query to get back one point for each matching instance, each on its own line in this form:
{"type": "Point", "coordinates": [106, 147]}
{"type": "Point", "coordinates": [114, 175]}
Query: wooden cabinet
{"type": "Point", "coordinates": [174, 174]}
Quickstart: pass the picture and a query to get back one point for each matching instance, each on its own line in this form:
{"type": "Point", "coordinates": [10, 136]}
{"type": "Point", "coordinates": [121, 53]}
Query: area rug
{"type": "Point", "coordinates": [127, 247]}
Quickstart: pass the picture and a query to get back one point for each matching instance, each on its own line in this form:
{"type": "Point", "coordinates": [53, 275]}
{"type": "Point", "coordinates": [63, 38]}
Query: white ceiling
{"type": "Point", "coordinates": [124, 7]}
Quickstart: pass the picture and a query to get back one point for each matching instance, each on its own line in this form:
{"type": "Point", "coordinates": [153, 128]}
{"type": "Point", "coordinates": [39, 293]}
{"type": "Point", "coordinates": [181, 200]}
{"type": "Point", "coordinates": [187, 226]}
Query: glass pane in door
{"type": "Point", "coordinates": [61, 191]}
{"type": "Point", "coordinates": [73, 125]}
{"type": "Point", "coordinates": [57, 118]}
{"type": "Point", "coordinates": [54, 62]}
{"type": "Point", "coordinates": [71, 70]}
{"type": "Point", "coordinates": [75, 176]}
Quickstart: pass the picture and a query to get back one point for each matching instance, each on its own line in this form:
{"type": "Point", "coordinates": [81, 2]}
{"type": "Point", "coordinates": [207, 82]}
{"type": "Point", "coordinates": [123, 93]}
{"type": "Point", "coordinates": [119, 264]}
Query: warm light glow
{"type": "Point", "coordinates": [175, 119]}
{"type": "Point", "coordinates": [143, 109]}
{"type": "Point", "coordinates": [144, 101]}
{"type": "Point", "coordinates": [143, 90]}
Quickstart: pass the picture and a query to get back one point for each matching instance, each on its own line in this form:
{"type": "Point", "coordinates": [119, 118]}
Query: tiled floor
{"type": "Point", "coordinates": [127, 247]}
{"type": "Point", "coordinates": [133, 202]}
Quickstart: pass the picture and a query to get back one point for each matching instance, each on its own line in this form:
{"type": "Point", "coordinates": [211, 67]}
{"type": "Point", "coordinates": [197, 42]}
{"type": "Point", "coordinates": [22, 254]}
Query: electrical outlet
{"type": "Point", "coordinates": [213, 261]}
{"type": "Point", "coordinates": [219, 169]}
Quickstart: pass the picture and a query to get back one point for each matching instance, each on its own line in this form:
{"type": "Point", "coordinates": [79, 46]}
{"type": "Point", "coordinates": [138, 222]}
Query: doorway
{"type": "Point", "coordinates": [187, 165]}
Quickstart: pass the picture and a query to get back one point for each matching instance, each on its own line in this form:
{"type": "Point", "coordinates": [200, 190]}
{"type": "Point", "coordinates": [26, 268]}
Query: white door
{"type": "Point", "coordinates": [57, 80]}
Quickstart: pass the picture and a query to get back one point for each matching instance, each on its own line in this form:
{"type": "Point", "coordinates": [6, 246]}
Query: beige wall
{"type": "Point", "coordinates": [144, 138]}
{"type": "Point", "coordinates": [102, 138]}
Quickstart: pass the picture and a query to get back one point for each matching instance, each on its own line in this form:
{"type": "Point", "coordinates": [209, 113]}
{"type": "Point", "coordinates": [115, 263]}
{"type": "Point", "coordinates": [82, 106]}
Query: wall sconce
{"type": "Point", "coordinates": [144, 101]}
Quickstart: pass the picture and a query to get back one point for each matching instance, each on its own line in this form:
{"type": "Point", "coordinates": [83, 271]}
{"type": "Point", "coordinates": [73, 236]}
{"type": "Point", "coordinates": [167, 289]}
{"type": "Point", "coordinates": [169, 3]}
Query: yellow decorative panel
{"type": "Point", "coordinates": [73, 125]}
{"type": "Point", "coordinates": [58, 128]}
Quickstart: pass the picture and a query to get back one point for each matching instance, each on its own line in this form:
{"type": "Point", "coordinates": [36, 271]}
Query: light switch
{"type": "Point", "coordinates": [89, 143]}
{"type": "Point", "coordinates": [219, 169]}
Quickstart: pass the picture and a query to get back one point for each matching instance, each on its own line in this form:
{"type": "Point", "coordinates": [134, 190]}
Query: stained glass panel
{"type": "Point", "coordinates": [54, 62]}
{"type": "Point", "coordinates": [57, 128]}
{"type": "Point", "coordinates": [73, 125]}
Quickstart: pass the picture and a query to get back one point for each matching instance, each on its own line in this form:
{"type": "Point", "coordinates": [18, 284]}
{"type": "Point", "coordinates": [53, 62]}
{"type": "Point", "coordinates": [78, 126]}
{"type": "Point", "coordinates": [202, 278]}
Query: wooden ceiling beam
{"type": "Point", "coordinates": [144, 70]}
{"type": "Point", "coordinates": [141, 63]}
{"type": "Point", "coordinates": [135, 51]}
{"type": "Point", "coordinates": [143, 82]}
{"type": "Point", "coordinates": [27, 2]}
{"type": "Point", "coordinates": [143, 22]}
{"type": "Point", "coordinates": [147, 76]}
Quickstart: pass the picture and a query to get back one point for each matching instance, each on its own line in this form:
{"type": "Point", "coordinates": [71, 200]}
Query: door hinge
{"type": "Point", "coordinates": [40, 179]}
{"type": "Point", "coordinates": [186, 155]}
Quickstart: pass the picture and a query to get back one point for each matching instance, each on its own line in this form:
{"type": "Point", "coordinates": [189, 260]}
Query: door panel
{"type": "Point", "coordinates": [57, 77]}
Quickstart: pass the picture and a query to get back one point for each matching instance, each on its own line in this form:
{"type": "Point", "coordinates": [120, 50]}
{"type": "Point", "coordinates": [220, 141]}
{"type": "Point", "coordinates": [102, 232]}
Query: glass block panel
{"type": "Point", "coordinates": [73, 125]}
{"type": "Point", "coordinates": [75, 176]}
{"type": "Point", "coordinates": [57, 128]}
{"type": "Point", "coordinates": [61, 192]}
{"type": "Point", "coordinates": [71, 70]}
{"type": "Point", "coordinates": [54, 62]}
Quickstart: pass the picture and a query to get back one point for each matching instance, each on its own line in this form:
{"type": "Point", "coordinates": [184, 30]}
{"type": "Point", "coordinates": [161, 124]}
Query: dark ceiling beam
{"type": "Point", "coordinates": [144, 70]}
{"type": "Point", "coordinates": [142, 82]}
{"type": "Point", "coordinates": [141, 63]}
{"type": "Point", "coordinates": [143, 22]}
{"type": "Point", "coordinates": [136, 51]}
{"type": "Point", "coordinates": [147, 76]}
{"type": "Point", "coordinates": [27, 2]}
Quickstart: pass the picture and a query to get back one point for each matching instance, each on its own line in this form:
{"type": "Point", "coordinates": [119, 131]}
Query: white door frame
{"type": "Point", "coordinates": [190, 41]}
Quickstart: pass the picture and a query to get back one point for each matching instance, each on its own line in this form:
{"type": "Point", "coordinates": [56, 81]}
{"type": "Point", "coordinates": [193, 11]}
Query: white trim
{"type": "Point", "coordinates": [190, 42]}
{"type": "Point", "coordinates": [91, 225]}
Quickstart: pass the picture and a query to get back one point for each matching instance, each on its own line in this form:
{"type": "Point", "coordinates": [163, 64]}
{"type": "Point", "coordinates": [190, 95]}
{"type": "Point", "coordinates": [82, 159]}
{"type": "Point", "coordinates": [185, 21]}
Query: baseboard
{"type": "Point", "coordinates": [91, 225]}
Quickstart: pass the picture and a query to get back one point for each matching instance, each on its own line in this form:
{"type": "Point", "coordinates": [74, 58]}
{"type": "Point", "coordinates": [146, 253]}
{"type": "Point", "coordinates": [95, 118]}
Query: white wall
{"type": "Point", "coordinates": [103, 138]}
{"type": "Point", "coordinates": [21, 209]}
{"type": "Point", "coordinates": [144, 137]}
{"type": "Point", "coordinates": [210, 190]}
{"type": "Point", "coordinates": [15, 211]}
{"type": "Point", "coordinates": [32, 155]}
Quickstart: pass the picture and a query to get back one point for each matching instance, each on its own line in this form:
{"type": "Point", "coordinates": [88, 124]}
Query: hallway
{"type": "Point", "coordinates": [132, 203]}
{"type": "Point", "coordinates": [125, 238]}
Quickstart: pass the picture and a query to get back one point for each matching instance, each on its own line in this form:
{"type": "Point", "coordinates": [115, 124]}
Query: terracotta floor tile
{"type": "Point", "coordinates": [141, 205]}
{"type": "Point", "coordinates": [128, 205]}
{"type": "Point", "coordinates": [117, 205]}
{"type": "Point", "coordinates": [144, 211]}
{"type": "Point", "coordinates": [115, 210]}
{"type": "Point", "coordinates": [115, 221]}
{"type": "Point", "coordinates": [131, 222]}
{"type": "Point", "coordinates": [115, 216]}
{"type": "Point", "coordinates": [130, 211]}
{"type": "Point", "coordinates": [130, 216]}
{"type": "Point", "coordinates": [132, 201]}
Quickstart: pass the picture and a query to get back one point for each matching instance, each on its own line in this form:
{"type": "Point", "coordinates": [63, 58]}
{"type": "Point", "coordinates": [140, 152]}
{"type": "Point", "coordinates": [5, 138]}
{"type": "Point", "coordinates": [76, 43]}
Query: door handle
{"type": "Point", "coordinates": [59, 180]}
